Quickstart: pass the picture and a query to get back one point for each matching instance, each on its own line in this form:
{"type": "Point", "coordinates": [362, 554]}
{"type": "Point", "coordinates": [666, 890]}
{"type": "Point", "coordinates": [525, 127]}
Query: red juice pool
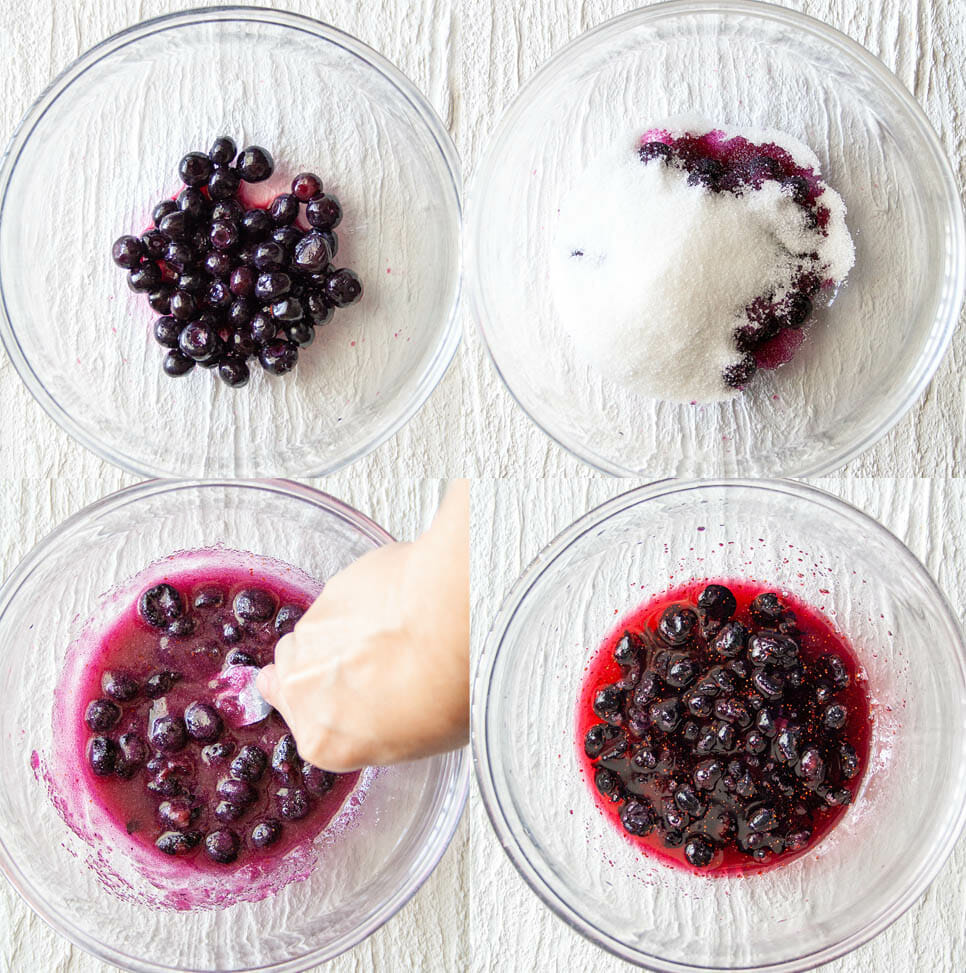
{"type": "Point", "coordinates": [678, 760]}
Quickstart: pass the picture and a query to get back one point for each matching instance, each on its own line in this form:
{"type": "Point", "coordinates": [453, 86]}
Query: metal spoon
{"type": "Point", "coordinates": [237, 698]}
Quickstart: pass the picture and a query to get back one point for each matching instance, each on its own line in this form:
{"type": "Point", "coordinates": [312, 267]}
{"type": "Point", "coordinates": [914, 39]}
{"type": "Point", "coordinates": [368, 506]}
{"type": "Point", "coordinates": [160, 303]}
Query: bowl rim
{"type": "Point", "coordinates": [494, 798]}
{"type": "Point", "coordinates": [450, 330]}
{"type": "Point", "coordinates": [453, 780]}
{"type": "Point", "coordinates": [950, 299]}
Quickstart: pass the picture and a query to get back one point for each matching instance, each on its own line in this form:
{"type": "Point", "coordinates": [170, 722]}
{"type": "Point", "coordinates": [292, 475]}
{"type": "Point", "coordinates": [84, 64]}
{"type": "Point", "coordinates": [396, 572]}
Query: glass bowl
{"type": "Point", "coordinates": [101, 146]}
{"type": "Point", "coordinates": [910, 806]}
{"type": "Point", "coordinates": [368, 870]}
{"type": "Point", "coordinates": [867, 358]}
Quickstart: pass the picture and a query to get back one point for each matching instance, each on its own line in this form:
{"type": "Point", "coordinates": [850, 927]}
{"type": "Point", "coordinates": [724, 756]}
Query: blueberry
{"type": "Point", "coordinates": [848, 761]}
{"type": "Point", "coordinates": [311, 253]}
{"type": "Point", "coordinates": [194, 169]}
{"type": "Point", "coordinates": [219, 295]}
{"type": "Point", "coordinates": [769, 682]}
{"type": "Point", "coordinates": [838, 797]}
{"type": "Point", "coordinates": [766, 608]}
{"type": "Point", "coordinates": [127, 252]}
{"type": "Point", "coordinates": [707, 774]}
{"type": "Point", "coordinates": [176, 225]}
{"type": "Point", "coordinates": [739, 374]}
{"type": "Point", "coordinates": [677, 624]}
{"type": "Point", "coordinates": [256, 225]}
{"type": "Point", "coordinates": [285, 758]}
{"type": "Point", "coordinates": [681, 672]}
{"type": "Point", "coordinates": [253, 605]}
{"type": "Point", "coordinates": [797, 840]}
{"type": "Point", "coordinates": [160, 605]}
{"type": "Point", "coordinates": [181, 627]}
{"type": "Point", "coordinates": [222, 151]}
{"type": "Point", "coordinates": [316, 780]}
{"type": "Point", "coordinates": [666, 714]}
{"type": "Point", "coordinates": [233, 371]}
{"type": "Point", "coordinates": [607, 782]}
{"type": "Point", "coordinates": [202, 722]}
{"type": "Point", "coordinates": [732, 711]}
{"type": "Point", "coordinates": [272, 286]}
{"type": "Point", "coordinates": [227, 211]}
{"type": "Point", "coordinates": [765, 721]}
{"type": "Point", "coordinates": [717, 602]}
{"type": "Point", "coordinates": [223, 183]}
{"type": "Point", "coordinates": [812, 766]}
{"type": "Point", "coordinates": [226, 812]}
{"type": "Point", "coordinates": [755, 741]}
{"type": "Point", "coordinates": [689, 802]}
{"type": "Point", "coordinates": [306, 185]}
{"type": "Point", "coordinates": [242, 282]}
{"type": "Point", "coordinates": [194, 204]}
{"type": "Point", "coordinates": [154, 243]}
{"type": "Point", "coordinates": [279, 357]}
{"type": "Point", "coordinates": [834, 717]}
{"type": "Point", "coordinates": [287, 311]}
{"type": "Point", "coordinates": [597, 737]}
{"type": "Point", "coordinates": [286, 619]}
{"type": "Point", "coordinates": [160, 300]}
{"type": "Point", "coordinates": [222, 846]}
{"type": "Point", "coordinates": [834, 669]}
{"type": "Point", "coordinates": [673, 838]}
{"type": "Point", "coordinates": [287, 237]}
{"type": "Point", "coordinates": [197, 341]}
{"type": "Point", "coordinates": [343, 288]}
{"type": "Point", "coordinates": [162, 209]}
{"type": "Point", "coordinates": [698, 704]}
{"type": "Point", "coordinates": [699, 852]}
{"type": "Point", "coordinates": [120, 686]}
{"type": "Point", "coordinates": [145, 277]}
{"type": "Point", "coordinates": [707, 739]}
{"type": "Point", "coordinates": [178, 842]}
{"type": "Point", "coordinates": [293, 803]}
{"type": "Point", "coordinates": [266, 833]}
{"type": "Point", "coordinates": [255, 164]}
{"type": "Point", "coordinates": [797, 310]}
{"type": "Point", "coordinates": [159, 684]}
{"type": "Point", "coordinates": [324, 212]}
{"type": "Point", "coordinates": [730, 641]}
{"type": "Point", "coordinates": [797, 188]}
{"type": "Point", "coordinates": [764, 819]}
{"type": "Point", "coordinates": [176, 814]}
{"type": "Point", "coordinates": [655, 150]}
{"type": "Point", "coordinates": [132, 752]}
{"type": "Point", "coordinates": [787, 744]}
{"type": "Point", "coordinates": [648, 688]}
{"type": "Point", "coordinates": [238, 792]}
{"type": "Point", "coordinates": [101, 714]}
{"type": "Point", "coordinates": [637, 817]}
{"type": "Point", "coordinates": [284, 209]}
{"type": "Point", "coordinates": [183, 305]}
{"type": "Point", "coordinates": [224, 235]}
{"type": "Point", "coordinates": [168, 734]}
{"type": "Point", "coordinates": [216, 754]}
{"type": "Point", "coordinates": [608, 702]}
{"type": "Point", "coordinates": [317, 309]}
{"type": "Point", "coordinates": [232, 632]}
{"type": "Point", "coordinates": [102, 755]}
{"type": "Point", "coordinates": [239, 657]}
{"type": "Point", "coordinates": [250, 763]}
{"type": "Point", "coordinates": [724, 736]}
{"type": "Point", "coordinates": [706, 172]}
{"type": "Point", "coordinates": [218, 264]}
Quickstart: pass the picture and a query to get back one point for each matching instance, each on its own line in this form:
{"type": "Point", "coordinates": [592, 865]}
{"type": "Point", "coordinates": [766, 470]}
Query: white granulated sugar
{"type": "Point", "coordinates": [668, 269]}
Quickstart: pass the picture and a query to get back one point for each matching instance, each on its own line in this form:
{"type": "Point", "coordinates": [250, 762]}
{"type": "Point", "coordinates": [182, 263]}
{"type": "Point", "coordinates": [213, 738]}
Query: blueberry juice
{"type": "Point", "coordinates": [724, 727]}
{"type": "Point", "coordinates": [150, 758]}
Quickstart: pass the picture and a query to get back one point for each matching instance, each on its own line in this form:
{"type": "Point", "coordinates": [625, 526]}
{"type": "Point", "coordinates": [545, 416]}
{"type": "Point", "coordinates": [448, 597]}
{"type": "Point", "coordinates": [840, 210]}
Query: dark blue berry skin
{"type": "Point", "coordinates": [293, 803]}
{"type": "Point", "coordinates": [317, 309]}
{"type": "Point", "coordinates": [284, 209]}
{"type": "Point", "coordinates": [222, 151]}
{"type": "Point", "coordinates": [168, 734]}
{"type": "Point", "coordinates": [253, 605]}
{"type": "Point", "coordinates": [224, 235]}
{"type": "Point", "coordinates": [218, 264]}
{"type": "Point", "coordinates": [122, 687]}
{"type": "Point", "coordinates": [183, 305]}
{"type": "Point", "coordinates": [202, 722]}
{"type": "Point", "coordinates": [197, 341]}
{"type": "Point", "coordinates": [311, 254]}
{"type": "Point", "coordinates": [219, 295]}
{"type": "Point", "coordinates": [160, 605]}
{"type": "Point", "coordinates": [266, 833]}
{"type": "Point", "coordinates": [162, 209]}
{"type": "Point", "coordinates": [285, 761]}
{"type": "Point", "coordinates": [194, 169]}
{"type": "Point", "coordinates": [269, 255]}
{"type": "Point", "coordinates": [287, 237]}
{"type": "Point", "coordinates": [238, 792]}
{"type": "Point", "coordinates": [306, 185]}
{"type": "Point", "coordinates": [316, 780]}
{"type": "Point", "coordinates": [242, 282]}
{"type": "Point", "coordinates": [255, 164]}
{"type": "Point", "coordinates": [263, 328]}
{"type": "Point", "coordinates": [286, 618]}
{"type": "Point", "coordinates": [102, 756]}
{"type": "Point", "coordinates": [287, 310]}
{"type": "Point", "coordinates": [146, 277]}
{"type": "Point", "coordinates": [132, 752]}
{"type": "Point", "coordinates": [256, 225]}
{"type": "Point", "coordinates": [177, 364]}
{"type": "Point", "coordinates": [242, 345]}
{"type": "Point", "coordinates": [654, 150]}
{"type": "Point", "coordinates": [178, 842]}
{"type": "Point", "coordinates": [160, 683]}
{"type": "Point", "coordinates": [233, 371]}
{"type": "Point", "coordinates": [194, 204]}
{"type": "Point", "coordinates": [192, 282]}
{"type": "Point", "coordinates": [160, 300]}
{"type": "Point", "coordinates": [222, 846]}
{"type": "Point", "coordinates": [324, 212]}
{"type": "Point", "coordinates": [239, 657]}
{"type": "Point", "coordinates": [227, 211]}
{"type": "Point", "coordinates": [343, 288]}
{"type": "Point", "coordinates": [240, 312]}
{"type": "Point", "coordinates": [223, 183]}
{"type": "Point", "coordinates": [216, 754]}
{"type": "Point", "coordinates": [272, 286]}
{"type": "Point", "coordinates": [176, 225]}
{"type": "Point", "coordinates": [279, 357]}
{"type": "Point", "coordinates": [209, 597]}
{"type": "Point", "coordinates": [154, 243]}
{"type": "Point", "coordinates": [127, 252]}
{"type": "Point", "coordinates": [250, 764]}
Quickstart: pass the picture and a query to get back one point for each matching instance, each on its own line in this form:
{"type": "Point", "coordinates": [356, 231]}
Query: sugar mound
{"type": "Point", "coordinates": [652, 276]}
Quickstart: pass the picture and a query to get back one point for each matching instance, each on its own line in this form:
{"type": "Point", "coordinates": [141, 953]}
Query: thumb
{"type": "Point", "coordinates": [266, 682]}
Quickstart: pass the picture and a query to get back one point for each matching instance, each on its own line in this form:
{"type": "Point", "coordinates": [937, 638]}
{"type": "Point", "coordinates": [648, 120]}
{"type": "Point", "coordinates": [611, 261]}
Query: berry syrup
{"type": "Point", "coordinates": [168, 800]}
{"type": "Point", "coordinates": [712, 788]}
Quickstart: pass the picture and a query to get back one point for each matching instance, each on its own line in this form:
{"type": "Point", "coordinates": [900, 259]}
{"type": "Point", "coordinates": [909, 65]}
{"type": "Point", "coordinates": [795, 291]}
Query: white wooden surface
{"type": "Point", "coordinates": [430, 934]}
{"type": "Point", "coordinates": [510, 929]}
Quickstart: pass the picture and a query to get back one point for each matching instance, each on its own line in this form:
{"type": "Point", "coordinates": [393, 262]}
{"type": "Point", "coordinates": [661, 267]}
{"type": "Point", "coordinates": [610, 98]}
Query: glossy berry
{"type": "Point", "coordinates": [158, 684]}
{"type": "Point", "coordinates": [311, 254]}
{"type": "Point", "coordinates": [102, 755]}
{"type": "Point", "coordinates": [202, 722]}
{"type": "Point", "coordinates": [293, 803]}
{"type": "Point", "coordinates": [699, 852]}
{"type": "Point", "coordinates": [144, 278]}
{"type": "Point", "coordinates": [178, 842]}
{"type": "Point", "coordinates": [160, 605]}
{"type": "Point", "coordinates": [306, 185]}
{"type": "Point", "coordinates": [223, 183]}
{"type": "Point", "coordinates": [286, 618]}
{"type": "Point", "coordinates": [255, 164]}
{"type": "Point", "coordinates": [324, 212]}
{"type": "Point", "coordinates": [198, 341]}
{"type": "Point", "coordinates": [284, 209]}
{"type": "Point", "coordinates": [676, 624]}
{"type": "Point", "coordinates": [256, 225]}
{"type": "Point", "coordinates": [194, 169]}
{"type": "Point", "coordinates": [279, 357]}
{"type": "Point", "coordinates": [120, 686]}
{"type": "Point", "coordinates": [233, 371]}
{"type": "Point", "coordinates": [238, 792]}
{"type": "Point", "coordinates": [717, 602]}
{"type": "Point", "coordinates": [176, 363]}
{"type": "Point", "coordinates": [250, 763]}
{"type": "Point", "coordinates": [266, 833]}
{"type": "Point", "coordinates": [239, 657]}
{"type": "Point", "coordinates": [637, 817]}
{"type": "Point", "coordinates": [132, 753]}
{"type": "Point", "coordinates": [285, 759]}
{"type": "Point", "coordinates": [176, 814]}
{"type": "Point", "coordinates": [222, 846]}
{"type": "Point", "coordinates": [316, 780]}
{"type": "Point", "coordinates": [224, 235]}
{"type": "Point", "coordinates": [343, 288]}
{"type": "Point", "coordinates": [272, 286]}
{"type": "Point", "coordinates": [127, 252]}
{"type": "Point", "coordinates": [168, 734]}
{"type": "Point", "coordinates": [253, 605]}
{"type": "Point", "coordinates": [222, 151]}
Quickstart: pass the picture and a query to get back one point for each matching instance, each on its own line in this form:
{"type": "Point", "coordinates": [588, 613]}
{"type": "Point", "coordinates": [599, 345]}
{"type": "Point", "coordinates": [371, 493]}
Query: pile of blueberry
{"type": "Point", "coordinates": [232, 282]}
{"type": "Point", "coordinates": [719, 736]}
{"type": "Point", "coordinates": [200, 782]}
{"type": "Point", "coordinates": [738, 166]}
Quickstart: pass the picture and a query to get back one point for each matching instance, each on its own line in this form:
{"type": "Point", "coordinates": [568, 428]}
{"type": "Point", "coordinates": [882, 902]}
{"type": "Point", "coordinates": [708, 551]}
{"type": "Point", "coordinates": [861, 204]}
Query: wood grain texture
{"type": "Point", "coordinates": [512, 521]}
{"type": "Point", "coordinates": [430, 933]}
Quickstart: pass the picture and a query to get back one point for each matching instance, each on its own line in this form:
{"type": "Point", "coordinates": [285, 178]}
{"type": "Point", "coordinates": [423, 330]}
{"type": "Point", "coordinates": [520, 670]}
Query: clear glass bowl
{"type": "Point", "coordinates": [368, 871]}
{"type": "Point", "coordinates": [867, 358]}
{"type": "Point", "coordinates": [101, 146]}
{"type": "Point", "coordinates": [910, 807]}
